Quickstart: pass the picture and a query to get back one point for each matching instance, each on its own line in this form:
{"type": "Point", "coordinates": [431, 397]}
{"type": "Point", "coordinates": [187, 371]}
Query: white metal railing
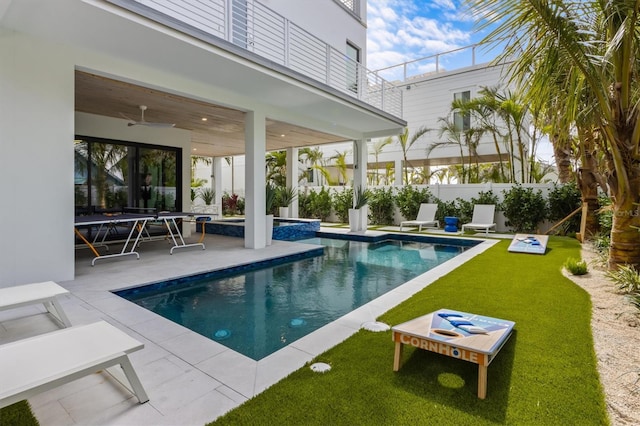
{"type": "Point", "coordinates": [256, 28]}
{"type": "Point", "coordinates": [440, 62]}
{"type": "Point", "coordinates": [352, 5]}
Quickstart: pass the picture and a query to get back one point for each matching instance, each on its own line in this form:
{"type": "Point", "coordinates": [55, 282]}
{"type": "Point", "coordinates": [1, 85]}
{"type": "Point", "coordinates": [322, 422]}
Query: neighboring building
{"type": "Point", "coordinates": [428, 91]}
{"type": "Point", "coordinates": [265, 76]}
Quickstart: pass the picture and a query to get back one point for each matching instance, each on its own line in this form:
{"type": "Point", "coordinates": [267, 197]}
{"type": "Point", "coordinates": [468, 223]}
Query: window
{"type": "Point", "coordinates": [352, 65]}
{"type": "Point", "coordinates": [111, 175]}
{"type": "Point", "coordinates": [462, 121]}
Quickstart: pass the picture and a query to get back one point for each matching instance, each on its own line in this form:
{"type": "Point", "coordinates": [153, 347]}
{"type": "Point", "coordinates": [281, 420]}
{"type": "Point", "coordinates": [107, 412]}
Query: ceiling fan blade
{"type": "Point", "coordinates": [142, 121]}
{"type": "Point", "coordinates": [165, 125]}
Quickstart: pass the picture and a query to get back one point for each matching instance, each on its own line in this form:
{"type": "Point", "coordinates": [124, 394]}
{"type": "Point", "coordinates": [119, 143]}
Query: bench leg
{"type": "Point", "coordinates": [136, 385]}
{"type": "Point", "coordinates": [55, 309]}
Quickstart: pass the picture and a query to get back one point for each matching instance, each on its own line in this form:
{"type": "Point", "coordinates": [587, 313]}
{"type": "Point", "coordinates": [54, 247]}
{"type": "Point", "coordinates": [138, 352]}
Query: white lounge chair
{"type": "Point", "coordinates": [426, 217]}
{"type": "Point", "coordinates": [31, 294]}
{"type": "Point", "coordinates": [41, 363]}
{"type": "Point", "coordinates": [482, 218]}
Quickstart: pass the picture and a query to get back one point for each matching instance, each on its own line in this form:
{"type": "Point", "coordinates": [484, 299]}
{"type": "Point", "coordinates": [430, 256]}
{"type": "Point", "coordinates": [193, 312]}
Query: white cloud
{"type": "Point", "coordinates": [402, 30]}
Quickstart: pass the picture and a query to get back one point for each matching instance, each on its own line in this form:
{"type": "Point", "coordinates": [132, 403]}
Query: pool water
{"type": "Point", "coordinates": [259, 312]}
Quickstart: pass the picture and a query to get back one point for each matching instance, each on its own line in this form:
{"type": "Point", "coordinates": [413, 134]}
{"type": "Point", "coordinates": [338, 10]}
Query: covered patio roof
{"type": "Point", "coordinates": [126, 59]}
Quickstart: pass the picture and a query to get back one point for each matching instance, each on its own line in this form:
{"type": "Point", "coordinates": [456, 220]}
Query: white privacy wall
{"type": "Point", "coordinates": [36, 162]}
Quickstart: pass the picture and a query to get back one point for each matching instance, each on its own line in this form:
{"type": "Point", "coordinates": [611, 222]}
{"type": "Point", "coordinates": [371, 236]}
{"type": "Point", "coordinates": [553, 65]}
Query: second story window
{"type": "Point", "coordinates": [353, 63]}
{"type": "Point", "coordinates": [462, 121]}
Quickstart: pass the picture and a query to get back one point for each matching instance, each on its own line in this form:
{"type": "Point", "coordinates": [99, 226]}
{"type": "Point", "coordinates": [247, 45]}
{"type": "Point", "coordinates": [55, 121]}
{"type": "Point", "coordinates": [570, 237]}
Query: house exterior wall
{"type": "Point", "coordinates": [36, 161]}
{"type": "Point", "coordinates": [427, 99]}
{"type": "Point", "coordinates": [335, 26]}
{"type": "Point", "coordinates": [38, 123]}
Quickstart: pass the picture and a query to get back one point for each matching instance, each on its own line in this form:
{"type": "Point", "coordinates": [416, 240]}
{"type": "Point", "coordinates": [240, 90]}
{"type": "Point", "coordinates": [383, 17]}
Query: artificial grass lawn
{"type": "Point", "coordinates": [18, 414]}
{"type": "Point", "coordinates": [545, 374]}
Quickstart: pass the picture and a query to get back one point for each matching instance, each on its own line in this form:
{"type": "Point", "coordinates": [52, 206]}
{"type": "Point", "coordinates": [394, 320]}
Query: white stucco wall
{"type": "Point", "coordinates": [36, 162]}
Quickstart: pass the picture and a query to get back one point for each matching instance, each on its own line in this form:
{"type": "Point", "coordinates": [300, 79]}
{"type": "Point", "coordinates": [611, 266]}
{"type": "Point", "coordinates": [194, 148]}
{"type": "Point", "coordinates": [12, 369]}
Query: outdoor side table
{"type": "Point", "coordinates": [450, 224]}
{"type": "Point", "coordinates": [436, 332]}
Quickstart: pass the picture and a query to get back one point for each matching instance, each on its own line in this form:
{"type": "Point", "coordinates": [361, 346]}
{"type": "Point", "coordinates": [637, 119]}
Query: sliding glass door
{"type": "Point", "coordinates": [114, 175]}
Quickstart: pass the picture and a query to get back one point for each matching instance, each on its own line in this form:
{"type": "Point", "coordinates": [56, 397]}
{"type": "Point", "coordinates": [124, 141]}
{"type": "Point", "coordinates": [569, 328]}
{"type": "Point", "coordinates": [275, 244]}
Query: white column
{"type": "Point", "coordinates": [292, 178]}
{"type": "Point", "coordinates": [255, 203]}
{"type": "Point", "coordinates": [216, 178]}
{"type": "Point", "coordinates": [360, 163]}
{"type": "Point", "coordinates": [399, 173]}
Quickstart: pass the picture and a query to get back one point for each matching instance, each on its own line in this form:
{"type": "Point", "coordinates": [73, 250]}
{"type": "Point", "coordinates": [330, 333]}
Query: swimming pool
{"type": "Point", "coordinates": [259, 309]}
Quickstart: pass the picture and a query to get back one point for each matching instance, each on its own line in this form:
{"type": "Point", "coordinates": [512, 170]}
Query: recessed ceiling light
{"type": "Point", "coordinates": [282, 135]}
{"type": "Point", "coordinates": [204, 118]}
{"type": "Point", "coordinates": [194, 149]}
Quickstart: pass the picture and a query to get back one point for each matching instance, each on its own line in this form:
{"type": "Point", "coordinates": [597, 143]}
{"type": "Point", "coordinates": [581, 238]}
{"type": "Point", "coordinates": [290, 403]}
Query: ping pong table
{"type": "Point", "coordinates": [105, 223]}
{"type": "Point", "coordinates": [170, 221]}
{"type": "Point", "coordinates": [137, 224]}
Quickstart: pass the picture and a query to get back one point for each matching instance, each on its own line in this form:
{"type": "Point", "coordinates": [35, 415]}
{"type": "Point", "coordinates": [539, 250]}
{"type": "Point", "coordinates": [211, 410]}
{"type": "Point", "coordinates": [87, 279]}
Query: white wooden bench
{"type": "Point", "coordinates": [31, 294]}
{"type": "Point", "coordinates": [37, 364]}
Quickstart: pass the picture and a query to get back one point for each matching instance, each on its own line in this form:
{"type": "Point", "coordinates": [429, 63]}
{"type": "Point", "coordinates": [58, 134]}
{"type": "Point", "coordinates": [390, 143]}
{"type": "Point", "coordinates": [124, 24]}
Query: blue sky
{"type": "Point", "coordinates": [403, 30]}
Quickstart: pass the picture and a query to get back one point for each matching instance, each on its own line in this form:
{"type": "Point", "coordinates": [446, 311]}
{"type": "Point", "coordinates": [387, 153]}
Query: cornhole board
{"type": "Point", "coordinates": [529, 243]}
{"type": "Point", "coordinates": [435, 333]}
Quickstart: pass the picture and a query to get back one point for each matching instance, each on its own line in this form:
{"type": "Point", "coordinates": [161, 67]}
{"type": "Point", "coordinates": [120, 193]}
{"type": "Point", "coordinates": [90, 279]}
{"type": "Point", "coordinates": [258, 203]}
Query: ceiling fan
{"type": "Point", "coordinates": [143, 122]}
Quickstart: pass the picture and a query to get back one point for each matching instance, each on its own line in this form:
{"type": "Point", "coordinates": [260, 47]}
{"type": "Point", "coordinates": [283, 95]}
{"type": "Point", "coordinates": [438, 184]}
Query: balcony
{"type": "Point", "coordinates": [253, 27]}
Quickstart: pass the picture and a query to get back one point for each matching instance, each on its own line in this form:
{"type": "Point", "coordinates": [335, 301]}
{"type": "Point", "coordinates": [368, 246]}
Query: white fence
{"type": "Point", "coordinates": [452, 192]}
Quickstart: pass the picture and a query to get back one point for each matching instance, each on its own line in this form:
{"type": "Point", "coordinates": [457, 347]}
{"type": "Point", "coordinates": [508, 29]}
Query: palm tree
{"type": "Point", "coordinates": [453, 137]}
{"type": "Point", "coordinates": [276, 164]}
{"type": "Point", "coordinates": [195, 160]}
{"type": "Point", "coordinates": [376, 150]}
{"type": "Point", "coordinates": [406, 141]}
{"type": "Point", "coordinates": [314, 157]}
{"type": "Point", "coordinates": [484, 110]}
{"type": "Point", "coordinates": [590, 49]}
{"type": "Point", "coordinates": [341, 164]}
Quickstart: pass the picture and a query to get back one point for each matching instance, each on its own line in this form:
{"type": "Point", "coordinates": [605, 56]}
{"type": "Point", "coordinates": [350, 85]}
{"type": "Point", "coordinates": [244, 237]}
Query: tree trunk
{"type": "Point", "coordinates": [625, 196]}
{"type": "Point", "coordinates": [625, 247]}
{"type": "Point", "coordinates": [563, 159]}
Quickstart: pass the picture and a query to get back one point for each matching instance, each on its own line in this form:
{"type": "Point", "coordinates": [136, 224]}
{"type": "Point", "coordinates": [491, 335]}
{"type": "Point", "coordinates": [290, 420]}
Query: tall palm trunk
{"type": "Point", "coordinates": [562, 154]}
{"type": "Point", "coordinates": [625, 195]}
{"type": "Point", "coordinates": [588, 179]}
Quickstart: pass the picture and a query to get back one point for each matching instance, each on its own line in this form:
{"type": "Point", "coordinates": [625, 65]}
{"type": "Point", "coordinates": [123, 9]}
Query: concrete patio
{"type": "Point", "coordinates": [190, 379]}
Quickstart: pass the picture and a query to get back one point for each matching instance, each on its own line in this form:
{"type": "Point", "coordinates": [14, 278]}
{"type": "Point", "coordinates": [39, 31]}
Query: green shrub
{"type": "Point", "coordinates": [563, 200]}
{"type": "Point", "coordinates": [381, 206]}
{"type": "Point", "coordinates": [321, 204]}
{"type": "Point", "coordinates": [304, 204]}
{"type": "Point", "coordinates": [445, 208]}
{"type": "Point", "coordinates": [464, 210]}
{"type": "Point", "coordinates": [605, 215]}
{"type": "Point", "coordinates": [408, 200]}
{"type": "Point", "coordinates": [576, 266]}
{"type": "Point", "coordinates": [524, 209]}
{"type": "Point", "coordinates": [634, 298]}
{"type": "Point", "coordinates": [342, 202]}
{"type": "Point", "coordinates": [487, 197]}
{"type": "Point", "coordinates": [601, 243]}
{"type": "Point", "coordinates": [626, 279]}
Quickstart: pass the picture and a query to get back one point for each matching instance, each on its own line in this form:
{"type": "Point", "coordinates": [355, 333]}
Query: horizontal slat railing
{"type": "Point", "coordinates": [254, 27]}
